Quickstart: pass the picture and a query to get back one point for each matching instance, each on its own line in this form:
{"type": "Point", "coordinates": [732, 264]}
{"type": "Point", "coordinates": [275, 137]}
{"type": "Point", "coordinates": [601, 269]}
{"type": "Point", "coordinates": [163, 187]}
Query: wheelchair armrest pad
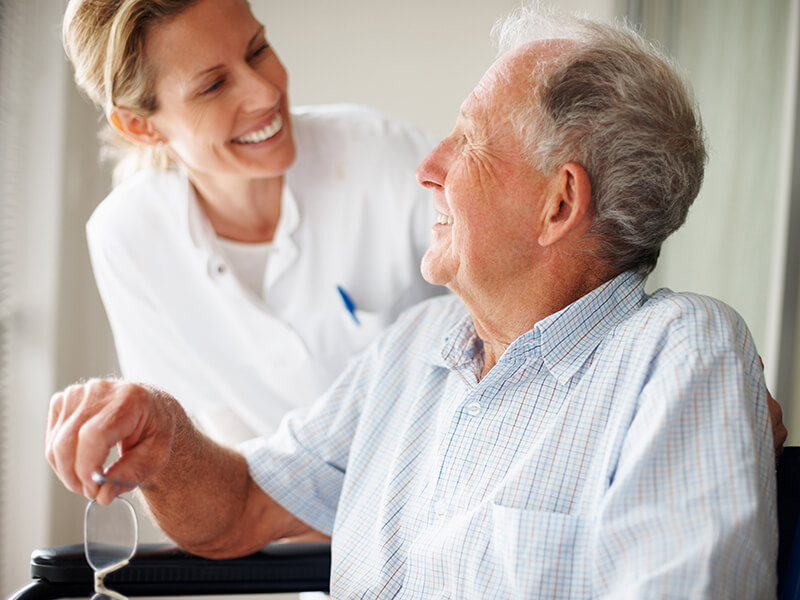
{"type": "Point", "coordinates": [788, 489]}
{"type": "Point", "coordinates": [159, 569]}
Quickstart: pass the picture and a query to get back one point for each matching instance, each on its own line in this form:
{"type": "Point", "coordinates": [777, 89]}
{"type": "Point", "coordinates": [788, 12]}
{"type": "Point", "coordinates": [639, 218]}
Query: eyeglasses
{"type": "Point", "coordinates": [110, 536]}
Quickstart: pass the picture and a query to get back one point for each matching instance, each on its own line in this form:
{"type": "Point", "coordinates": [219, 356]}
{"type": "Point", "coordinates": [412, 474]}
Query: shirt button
{"type": "Point", "coordinates": [474, 409]}
{"type": "Point", "coordinates": [440, 507]}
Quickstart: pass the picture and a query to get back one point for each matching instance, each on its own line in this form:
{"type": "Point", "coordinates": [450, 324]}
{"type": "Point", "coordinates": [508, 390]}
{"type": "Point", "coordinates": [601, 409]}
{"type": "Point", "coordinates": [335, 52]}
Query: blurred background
{"type": "Point", "coordinates": [416, 60]}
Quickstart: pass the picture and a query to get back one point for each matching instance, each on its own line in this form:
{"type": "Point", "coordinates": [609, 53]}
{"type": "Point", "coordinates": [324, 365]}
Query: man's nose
{"type": "Point", "coordinates": [432, 170]}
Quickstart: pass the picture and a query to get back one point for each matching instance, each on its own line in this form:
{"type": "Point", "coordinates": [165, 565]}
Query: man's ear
{"type": "Point", "coordinates": [135, 127]}
{"type": "Point", "coordinates": [568, 205]}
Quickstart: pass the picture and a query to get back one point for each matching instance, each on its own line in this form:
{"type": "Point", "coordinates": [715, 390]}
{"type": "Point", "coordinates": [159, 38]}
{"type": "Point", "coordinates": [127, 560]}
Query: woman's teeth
{"type": "Point", "coordinates": [444, 219]}
{"type": "Point", "coordinates": [267, 132]}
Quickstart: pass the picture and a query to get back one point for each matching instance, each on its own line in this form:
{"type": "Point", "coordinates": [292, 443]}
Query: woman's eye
{"type": "Point", "coordinates": [213, 87]}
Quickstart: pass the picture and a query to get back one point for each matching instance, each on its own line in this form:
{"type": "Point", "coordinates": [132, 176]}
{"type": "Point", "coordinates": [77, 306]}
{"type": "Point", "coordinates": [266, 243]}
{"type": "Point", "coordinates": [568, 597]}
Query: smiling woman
{"type": "Point", "coordinates": [220, 110]}
{"type": "Point", "coordinates": [259, 215]}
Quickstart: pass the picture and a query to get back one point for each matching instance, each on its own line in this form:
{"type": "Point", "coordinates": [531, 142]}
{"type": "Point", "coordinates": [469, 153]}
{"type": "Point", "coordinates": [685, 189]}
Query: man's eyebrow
{"type": "Point", "coordinates": [204, 72]}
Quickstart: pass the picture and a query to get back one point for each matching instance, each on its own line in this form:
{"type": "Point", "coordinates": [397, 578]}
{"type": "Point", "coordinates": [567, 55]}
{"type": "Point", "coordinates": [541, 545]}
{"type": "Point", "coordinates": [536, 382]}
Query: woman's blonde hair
{"type": "Point", "coordinates": [105, 41]}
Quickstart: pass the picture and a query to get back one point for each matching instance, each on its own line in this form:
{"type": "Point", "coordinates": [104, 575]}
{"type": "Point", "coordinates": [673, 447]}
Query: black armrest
{"type": "Point", "coordinates": [788, 475]}
{"type": "Point", "coordinates": [164, 570]}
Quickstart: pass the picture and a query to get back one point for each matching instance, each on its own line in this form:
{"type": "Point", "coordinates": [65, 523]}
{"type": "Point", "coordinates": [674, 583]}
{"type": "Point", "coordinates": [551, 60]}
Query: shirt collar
{"type": "Point", "coordinates": [459, 345]}
{"type": "Point", "coordinates": [204, 237]}
{"type": "Point", "coordinates": [285, 250]}
{"type": "Point", "coordinates": [565, 339]}
{"type": "Point", "coordinates": [462, 343]}
{"type": "Point", "coordinates": [199, 227]}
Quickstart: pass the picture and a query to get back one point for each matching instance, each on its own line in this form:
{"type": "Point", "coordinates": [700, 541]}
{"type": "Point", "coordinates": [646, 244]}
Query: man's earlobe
{"type": "Point", "coordinates": [133, 126]}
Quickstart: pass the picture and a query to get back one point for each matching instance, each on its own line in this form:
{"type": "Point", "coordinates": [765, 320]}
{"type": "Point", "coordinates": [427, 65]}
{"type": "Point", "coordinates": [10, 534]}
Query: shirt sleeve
{"type": "Point", "coordinates": [303, 466]}
{"type": "Point", "coordinates": [687, 512]}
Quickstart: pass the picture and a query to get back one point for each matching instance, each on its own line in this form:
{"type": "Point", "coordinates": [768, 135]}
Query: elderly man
{"type": "Point", "coordinates": [552, 431]}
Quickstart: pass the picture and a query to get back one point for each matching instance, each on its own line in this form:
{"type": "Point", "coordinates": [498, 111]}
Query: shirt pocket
{"type": "Point", "coordinates": [542, 554]}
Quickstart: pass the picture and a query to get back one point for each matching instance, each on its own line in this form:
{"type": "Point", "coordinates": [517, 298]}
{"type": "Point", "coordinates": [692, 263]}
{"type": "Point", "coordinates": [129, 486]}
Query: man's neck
{"type": "Point", "coordinates": [514, 309]}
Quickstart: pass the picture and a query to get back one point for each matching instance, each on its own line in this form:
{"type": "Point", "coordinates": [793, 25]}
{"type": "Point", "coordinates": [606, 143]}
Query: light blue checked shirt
{"type": "Point", "coordinates": [622, 448]}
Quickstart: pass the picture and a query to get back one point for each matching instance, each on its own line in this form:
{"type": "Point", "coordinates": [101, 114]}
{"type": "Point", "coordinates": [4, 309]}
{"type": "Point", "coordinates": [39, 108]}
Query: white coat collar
{"type": "Point", "coordinates": [204, 238]}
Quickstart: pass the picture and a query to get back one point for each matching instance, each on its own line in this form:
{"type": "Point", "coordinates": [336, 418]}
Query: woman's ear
{"type": "Point", "coordinates": [567, 209]}
{"type": "Point", "coordinates": [135, 127]}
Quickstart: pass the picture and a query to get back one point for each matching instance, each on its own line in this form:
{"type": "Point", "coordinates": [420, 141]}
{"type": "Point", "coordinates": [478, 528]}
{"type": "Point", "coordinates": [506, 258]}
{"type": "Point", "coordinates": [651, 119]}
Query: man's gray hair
{"type": "Point", "coordinates": [619, 107]}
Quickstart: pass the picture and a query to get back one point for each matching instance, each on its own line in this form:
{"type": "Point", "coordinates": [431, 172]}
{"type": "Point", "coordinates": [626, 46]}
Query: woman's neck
{"type": "Point", "coordinates": [243, 210]}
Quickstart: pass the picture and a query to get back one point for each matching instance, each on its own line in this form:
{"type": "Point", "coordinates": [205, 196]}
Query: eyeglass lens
{"type": "Point", "coordinates": [110, 537]}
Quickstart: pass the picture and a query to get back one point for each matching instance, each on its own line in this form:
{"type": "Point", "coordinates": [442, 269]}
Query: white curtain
{"type": "Point", "coordinates": [52, 326]}
{"type": "Point", "coordinates": [741, 58]}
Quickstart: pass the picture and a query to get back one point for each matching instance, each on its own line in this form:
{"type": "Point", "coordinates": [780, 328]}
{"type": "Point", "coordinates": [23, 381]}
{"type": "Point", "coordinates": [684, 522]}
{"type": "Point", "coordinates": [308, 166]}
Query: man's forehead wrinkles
{"type": "Point", "coordinates": [483, 96]}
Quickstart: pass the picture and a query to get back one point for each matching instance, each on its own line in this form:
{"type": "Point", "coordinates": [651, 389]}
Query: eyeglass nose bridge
{"type": "Point", "coordinates": [107, 547]}
{"type": "Point", "coordinates": [99, 583]}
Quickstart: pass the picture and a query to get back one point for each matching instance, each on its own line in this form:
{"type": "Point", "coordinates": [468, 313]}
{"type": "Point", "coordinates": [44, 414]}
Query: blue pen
{"type": "Point", "coordinates": [348, 304]}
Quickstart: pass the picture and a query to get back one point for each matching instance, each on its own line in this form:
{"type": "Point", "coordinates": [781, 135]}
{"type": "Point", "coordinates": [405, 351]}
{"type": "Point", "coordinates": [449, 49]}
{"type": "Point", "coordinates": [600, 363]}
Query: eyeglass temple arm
{"type": "Point", "coordinates": [164, 570]}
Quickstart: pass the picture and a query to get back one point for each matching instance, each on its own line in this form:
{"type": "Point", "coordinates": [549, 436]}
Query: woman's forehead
{"type": "Point", "coordinates": [193, 42]}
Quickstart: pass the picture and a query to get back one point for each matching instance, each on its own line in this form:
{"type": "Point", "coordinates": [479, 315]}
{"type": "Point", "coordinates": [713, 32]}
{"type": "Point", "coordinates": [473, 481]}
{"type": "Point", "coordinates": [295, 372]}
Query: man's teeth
{"type": "Point", "coordinates": [444, 219]}
{"type": "Point", "coordinates": [267, 132]}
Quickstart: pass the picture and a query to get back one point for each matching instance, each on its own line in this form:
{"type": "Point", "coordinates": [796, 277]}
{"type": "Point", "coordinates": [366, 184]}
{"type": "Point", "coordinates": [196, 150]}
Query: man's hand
{"type": "Point", "coordinates": [87, 420]}
{"type": "Point", "coordinates": [779, 432]}
{"type": "Point", "coordinates": [186, 472]}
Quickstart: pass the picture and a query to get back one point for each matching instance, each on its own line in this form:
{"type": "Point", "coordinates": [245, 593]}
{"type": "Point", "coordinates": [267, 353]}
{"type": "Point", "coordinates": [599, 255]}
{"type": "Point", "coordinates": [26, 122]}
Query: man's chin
{"type": "Point", "coordinates": [433, 271]}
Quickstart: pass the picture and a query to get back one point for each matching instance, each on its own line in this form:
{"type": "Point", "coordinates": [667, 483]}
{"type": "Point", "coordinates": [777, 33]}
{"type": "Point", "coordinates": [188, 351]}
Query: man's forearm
{"type": "Point", "coordinates": [205, 500]}
{"type": "Point", "coordinates": [199, 492]}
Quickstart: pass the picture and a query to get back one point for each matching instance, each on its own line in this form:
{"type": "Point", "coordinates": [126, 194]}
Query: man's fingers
{"type": "Point", "coordinates": [779, 431]}
{"type": "Point", "coordinates": [114, 415]}
{"type": "Point", "coordinates": [60, 440]}
{"type": "Point", "coordinates": [146, 449]}
{"type": "Point", "coordinates": [73, 446]}
{"type": "Point", "coordinates": [86, 421]}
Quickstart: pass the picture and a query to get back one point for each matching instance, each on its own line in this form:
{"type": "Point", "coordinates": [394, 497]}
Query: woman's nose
{"type": "Point", "coordinates": [259, 90]}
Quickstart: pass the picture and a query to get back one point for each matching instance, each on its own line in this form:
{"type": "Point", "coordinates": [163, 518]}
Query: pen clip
{"type": "Point", "coordinates": [348, 303]}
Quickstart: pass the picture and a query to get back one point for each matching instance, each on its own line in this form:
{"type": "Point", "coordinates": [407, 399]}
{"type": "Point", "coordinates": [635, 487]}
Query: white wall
{"type": "Point", "coordinates": [416, 59]}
